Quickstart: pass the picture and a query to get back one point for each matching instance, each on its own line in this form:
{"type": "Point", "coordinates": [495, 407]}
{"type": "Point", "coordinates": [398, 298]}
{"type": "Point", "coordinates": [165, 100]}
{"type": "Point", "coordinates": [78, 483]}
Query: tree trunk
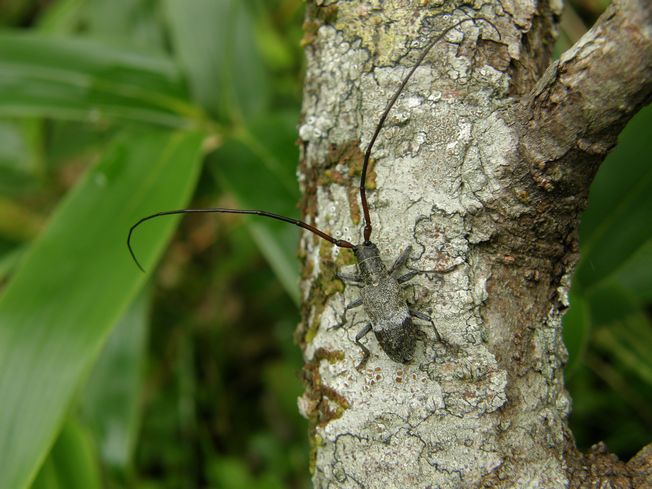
{"type": "Point", "coordinates": [483, 167]}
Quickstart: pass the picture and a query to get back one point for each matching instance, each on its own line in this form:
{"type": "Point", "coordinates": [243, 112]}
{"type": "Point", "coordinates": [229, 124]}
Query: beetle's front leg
{"type": "Point", "coordinates": [352, 305]}
{"type": "Point", "coordinates": [354, 280]}
{"type": "Point", "coordinates": [408, 276]}
{"type": "Point", "coordinates": [400, 261]}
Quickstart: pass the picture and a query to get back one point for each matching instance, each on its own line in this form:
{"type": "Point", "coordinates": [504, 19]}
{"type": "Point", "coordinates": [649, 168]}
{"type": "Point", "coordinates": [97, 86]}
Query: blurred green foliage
{"type": "Point", "coordinates": [110, 110]}
{"type": "Point", "coordinates": [114, 110]}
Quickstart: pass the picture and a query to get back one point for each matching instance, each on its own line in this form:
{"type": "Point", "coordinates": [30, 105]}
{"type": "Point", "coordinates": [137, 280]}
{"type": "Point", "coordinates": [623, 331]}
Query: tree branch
{"type": "Point", "coordinates": [582, 102]}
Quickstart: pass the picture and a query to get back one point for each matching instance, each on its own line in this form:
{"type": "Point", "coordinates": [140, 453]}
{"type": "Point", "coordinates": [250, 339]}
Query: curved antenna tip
{"type": "Point", "coordinates": [131, 250]}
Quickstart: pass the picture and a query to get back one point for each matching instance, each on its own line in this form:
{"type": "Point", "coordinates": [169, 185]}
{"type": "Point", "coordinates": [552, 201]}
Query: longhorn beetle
{"type": "Point", "coordinates": [388, 311]}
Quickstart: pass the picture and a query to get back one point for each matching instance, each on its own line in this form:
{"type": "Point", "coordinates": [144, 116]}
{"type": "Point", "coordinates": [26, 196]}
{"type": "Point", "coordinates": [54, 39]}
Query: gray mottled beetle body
{"type": "Point", "coordinates": [381, 296]}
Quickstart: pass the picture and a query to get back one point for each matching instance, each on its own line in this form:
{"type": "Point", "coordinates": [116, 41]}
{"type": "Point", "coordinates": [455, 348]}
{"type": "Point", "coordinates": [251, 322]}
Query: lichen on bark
{"type": "Point", "coordinates": [492, 220]}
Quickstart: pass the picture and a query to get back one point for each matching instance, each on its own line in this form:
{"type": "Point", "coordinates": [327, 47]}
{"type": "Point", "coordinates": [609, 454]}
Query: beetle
{"type": "Point", "coordinates": [390, 316]}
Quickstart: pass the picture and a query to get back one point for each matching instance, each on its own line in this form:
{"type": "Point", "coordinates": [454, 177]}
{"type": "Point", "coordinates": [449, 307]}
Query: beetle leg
{"type": "Point", "coordinates": [352, 305]}
{"type": "Point", "coordinates": [400, 261]}
{"type": "Point", "coordinates": [425, 317]}
{"type": "Point", "coordinates": [365, 350]}
{"type": "Point", "coordinates": [420, 315]}
{"type": "Point", "coordinates": [354, 280]}
{"type": "Point", "coordinates": [408, 276]}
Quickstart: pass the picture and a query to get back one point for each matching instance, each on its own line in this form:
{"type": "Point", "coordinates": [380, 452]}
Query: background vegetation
{"type": "Point", "coordinates": [188, 376]}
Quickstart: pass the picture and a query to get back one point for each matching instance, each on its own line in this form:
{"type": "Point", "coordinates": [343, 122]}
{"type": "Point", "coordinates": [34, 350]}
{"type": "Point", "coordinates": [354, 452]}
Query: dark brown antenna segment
{"type": "Point", "coordinates": [390, 104]}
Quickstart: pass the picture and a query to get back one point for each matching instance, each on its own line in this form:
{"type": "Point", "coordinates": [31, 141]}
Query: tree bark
{"type": "Point", "coordinates": [483, 166]}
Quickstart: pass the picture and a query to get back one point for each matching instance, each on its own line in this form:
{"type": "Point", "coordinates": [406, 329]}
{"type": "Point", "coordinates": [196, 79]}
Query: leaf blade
{"type": "Point", "coordinates": [75, 283]}
{"type": "Point", "coordinates": [82, 80]}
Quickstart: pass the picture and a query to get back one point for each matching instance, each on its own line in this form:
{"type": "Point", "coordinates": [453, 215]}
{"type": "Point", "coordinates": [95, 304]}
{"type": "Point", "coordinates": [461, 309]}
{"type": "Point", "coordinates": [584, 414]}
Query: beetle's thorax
{"type": "Point", "coordinates": [371, 267]}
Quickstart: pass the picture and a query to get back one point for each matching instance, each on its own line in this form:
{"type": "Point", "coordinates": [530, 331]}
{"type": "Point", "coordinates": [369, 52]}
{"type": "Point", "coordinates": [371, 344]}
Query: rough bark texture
{"type": "Point", "coordinates": [483, 167]}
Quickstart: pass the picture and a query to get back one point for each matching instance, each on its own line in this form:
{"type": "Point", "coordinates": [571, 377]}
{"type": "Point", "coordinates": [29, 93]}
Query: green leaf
{"type": "Point", "coordinates": [620, 205]}
{"type": "Point", "coordinates": [609, 302]}
{"type": "Point", "coordinates": [110, 399]}
{"type": "Point", "coordinates": [16, 11]}
{"type": "Point", "coordinates": [76, 282]}
{"type": "Point", "coordinates": [629, 341]}
{"type": "Point", "coordinates": [213, 40]}
{"type": "Point", "coordinates": [18, 156]}
{"type": "Point", "coordinates": [128, 23]}
{"type": "Point", "coordinates": [9, 261]}
{"type": "Point", "coordinates": [61, 17]}
{"type": "Point", "coordinates": [82, 80]}
{"type": "Point", "coordinates": [246, 77]}
{"type": "Point", "coordinates": [72, 463]}
{"type": "Point", "coordinates": [635, 275]}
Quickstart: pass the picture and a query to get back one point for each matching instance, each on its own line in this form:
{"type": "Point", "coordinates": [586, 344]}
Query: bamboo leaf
{"type": "Point", "coordinates": [110, 400]}
{"type": "Point", "coordinates": [620, 200]}
{"type": "Point", "coordinates": [76, 282]}
{"type": "Point", "coordinates": [72, 463]}
{"type": "Point", "coordinates": [213, 40]}
{"type": "Point", "coordinates": [64, 78]}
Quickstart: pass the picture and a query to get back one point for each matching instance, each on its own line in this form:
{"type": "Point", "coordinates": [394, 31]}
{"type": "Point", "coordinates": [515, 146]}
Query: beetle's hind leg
{"type": "Point", "coordinates": [424, 317]}
{"type": "Point", "coordinates": [365, 351]}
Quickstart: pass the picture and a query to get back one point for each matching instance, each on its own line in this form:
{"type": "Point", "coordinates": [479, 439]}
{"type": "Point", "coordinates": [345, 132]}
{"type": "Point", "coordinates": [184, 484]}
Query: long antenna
{"type": "Point", "coordinates": [337, 242]}
{"type": "Point", "coordinates": [390, 104]}
{"type": "Point", "coordinates": [363, 178]}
